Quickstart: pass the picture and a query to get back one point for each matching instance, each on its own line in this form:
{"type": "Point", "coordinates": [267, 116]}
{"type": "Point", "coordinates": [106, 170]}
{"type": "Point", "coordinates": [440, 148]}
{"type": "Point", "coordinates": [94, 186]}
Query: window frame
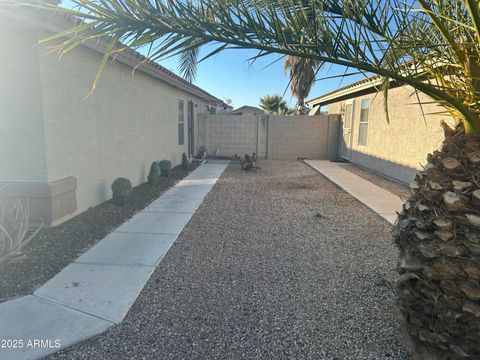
{"type": "Point", "coordinates": [363, 123]}
{"type": "Point", "coordinates": [182, 122]}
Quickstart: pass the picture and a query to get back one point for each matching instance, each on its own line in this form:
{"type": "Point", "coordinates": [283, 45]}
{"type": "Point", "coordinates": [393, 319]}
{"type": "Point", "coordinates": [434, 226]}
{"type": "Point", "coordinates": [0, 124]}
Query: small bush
{"type": "Point", "coordinates": [153, 175]}
{"type": "Point", "coordinates": [165, 167]}
{"type": "Point", "coordinates": [202, 152]}
{"type": "Point", "coordinates": [184, 161]}
{"type": "Point", "coordinates": [121, 189]}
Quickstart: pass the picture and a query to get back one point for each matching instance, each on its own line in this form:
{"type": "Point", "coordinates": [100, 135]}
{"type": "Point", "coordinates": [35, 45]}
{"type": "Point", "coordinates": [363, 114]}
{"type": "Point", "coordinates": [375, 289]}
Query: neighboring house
{"type": "Point", "coordinates": [61, 149]}
{"type": "Point", "coordinates": [224, 108]}
{"type": "Point", "coordinates": [245, 109]}
{"type": "Point", "coordinates": [396, 148]}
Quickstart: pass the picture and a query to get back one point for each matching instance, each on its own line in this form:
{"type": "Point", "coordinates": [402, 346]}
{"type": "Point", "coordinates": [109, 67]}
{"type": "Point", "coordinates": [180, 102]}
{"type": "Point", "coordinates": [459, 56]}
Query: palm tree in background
{"type": "Point", "coordinates": [275, 105]}
{"type": "Point", "coordinates": [431, 45]}
{"type": "Point", "coordinates": [302, 77]}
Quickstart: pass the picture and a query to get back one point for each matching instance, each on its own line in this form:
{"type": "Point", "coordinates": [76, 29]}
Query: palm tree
{"type": "Point", "coordinates": [302, 78]}
{"type": "Point", "coordinates": [431, 45]}
{"type": "Point", "coordinates": [275, 105]}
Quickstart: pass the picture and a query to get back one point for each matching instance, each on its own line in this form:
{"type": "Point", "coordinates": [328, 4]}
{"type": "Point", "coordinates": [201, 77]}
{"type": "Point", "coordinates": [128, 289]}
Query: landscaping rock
{"type": "Point", "coordinates": [54, 248]}
{"type": "Point", "coordinates": [378, 280]}
{"type": "Point", "coordinates": [252, 276]}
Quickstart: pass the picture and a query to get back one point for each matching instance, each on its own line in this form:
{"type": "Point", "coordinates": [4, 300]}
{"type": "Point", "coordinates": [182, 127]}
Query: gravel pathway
{"type": "Point", "coordinates": [256, 274]}
{"type": "Point", "coordinates": [394, 187]}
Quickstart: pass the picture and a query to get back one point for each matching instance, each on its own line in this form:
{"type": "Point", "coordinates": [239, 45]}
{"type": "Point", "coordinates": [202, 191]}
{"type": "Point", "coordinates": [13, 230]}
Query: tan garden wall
{"type": "Point", "coordinates": [313, 137]}
{"type": "Point", "coordinates": [233, 134]}
{"type": "Point", "coordinates": [273, 137]}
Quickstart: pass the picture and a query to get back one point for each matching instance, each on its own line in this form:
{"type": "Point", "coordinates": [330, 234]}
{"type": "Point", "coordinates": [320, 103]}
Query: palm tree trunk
{"type": "Point", "coordinates": [300, 106]}
{"type": "Point", "coordinates": [439, 240]}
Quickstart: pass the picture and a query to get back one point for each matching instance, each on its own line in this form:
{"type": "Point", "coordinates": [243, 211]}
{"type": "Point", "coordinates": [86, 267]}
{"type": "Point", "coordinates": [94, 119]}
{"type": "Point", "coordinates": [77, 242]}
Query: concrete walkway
{"type": "Point", "coordinates": [381, 201]}
{"type": "Point", "coordinates": [97, 290]}
{"type": "Point", "coordinates": [257, 275]}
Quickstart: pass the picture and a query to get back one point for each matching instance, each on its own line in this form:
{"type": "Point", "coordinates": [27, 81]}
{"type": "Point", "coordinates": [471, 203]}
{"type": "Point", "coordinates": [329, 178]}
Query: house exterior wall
{"type": "Point", "coordinates": [61, 149]}
{"type": "Point", "coordinates": [126, 124]}
{"type": "Point", "coordinates": [397, 148]}
{"type": "Point", "coordinates": [22, 155]}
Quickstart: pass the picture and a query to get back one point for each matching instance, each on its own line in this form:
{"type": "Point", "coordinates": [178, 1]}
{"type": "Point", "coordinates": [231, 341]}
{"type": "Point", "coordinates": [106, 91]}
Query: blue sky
{"type": "Point", "coordinates": [230, 75]}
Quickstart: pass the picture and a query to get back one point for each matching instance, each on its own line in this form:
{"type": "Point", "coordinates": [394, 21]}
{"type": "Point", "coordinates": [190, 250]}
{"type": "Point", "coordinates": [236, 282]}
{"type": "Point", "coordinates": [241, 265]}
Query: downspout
{"type": "Point", "coordinates": [328, 137]}
{"type": "Point", "coordinates": [258, 124]}
{"type": "Point", "coordinates": [268, 130]}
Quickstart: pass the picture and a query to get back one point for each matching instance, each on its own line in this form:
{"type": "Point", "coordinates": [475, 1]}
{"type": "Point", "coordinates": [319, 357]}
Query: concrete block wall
{"type": "Point", "coordinates": [232, 134]}
{"type": "Point", "coordinates": [262, 135]}
{"type": "Point", "coordinates": [291, 137]}
{"type": "Point", "coordinates": [273, 137]}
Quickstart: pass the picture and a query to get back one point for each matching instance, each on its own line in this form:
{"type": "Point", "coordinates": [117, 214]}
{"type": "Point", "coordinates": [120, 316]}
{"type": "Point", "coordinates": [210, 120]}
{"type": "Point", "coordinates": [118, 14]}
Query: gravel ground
{"type": "Point", "coordinates": [256, 274]}
{"type": "Point", "coordinates": [394, 187]}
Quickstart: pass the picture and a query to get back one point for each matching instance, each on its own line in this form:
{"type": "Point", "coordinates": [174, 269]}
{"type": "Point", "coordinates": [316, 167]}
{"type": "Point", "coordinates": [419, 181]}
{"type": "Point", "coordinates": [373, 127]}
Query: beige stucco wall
{"type": "Point", "coordinates": [49, 131]}
{"type": "Point", "coordinates": [291, 137]}
{"type": "Point", "coordinates": [274, 137]}
{"type": "Point", "coordinates": [233, 134]}
{"type": "Point", "coordinates": [22, 147]}
{"type": "Point", "coordinates": [129, 122]}
{"type": "Point", "coordinates": [397, 148]}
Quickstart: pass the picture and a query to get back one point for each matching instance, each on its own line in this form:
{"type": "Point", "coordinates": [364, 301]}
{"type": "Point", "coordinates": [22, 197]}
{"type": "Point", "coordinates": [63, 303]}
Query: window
{"type": "Point", "coordinates": [211, 110]}
{"type": "Point", "coordinates": [363, 129]}
{"type": "Point", "coordinates": [181, 122]}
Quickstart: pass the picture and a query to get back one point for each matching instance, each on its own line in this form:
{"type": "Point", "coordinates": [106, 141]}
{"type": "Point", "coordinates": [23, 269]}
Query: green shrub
{"type": "Point", "coordinates": [184, 161]}
{"type": "Point", "coordinates": [165, 167]}
{"type": "Point", "coordinates": [202, 152]}
{"type": "Point", "coordinates": [153, 175]}
{"type": "Point", "coordinates": [121, 189]}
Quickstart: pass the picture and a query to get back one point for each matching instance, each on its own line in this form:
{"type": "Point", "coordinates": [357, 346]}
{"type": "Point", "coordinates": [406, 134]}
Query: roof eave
{"type": "Point", "coordinates": [348, 91]}
{"type": "Point", "coordinates": [58, 24]}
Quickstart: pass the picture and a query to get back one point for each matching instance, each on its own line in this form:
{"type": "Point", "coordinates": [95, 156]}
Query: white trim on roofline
{"type": "Point", "coordinates": [351, 89]}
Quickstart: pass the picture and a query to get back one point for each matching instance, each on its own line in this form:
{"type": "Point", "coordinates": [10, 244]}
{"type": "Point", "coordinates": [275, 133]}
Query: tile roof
{"type": "Point", "coordinates": [59, 22]}
{"type": "Point", "coordinates": [247, 109]}
{"type": "Point", "coordinates": [346, 90]}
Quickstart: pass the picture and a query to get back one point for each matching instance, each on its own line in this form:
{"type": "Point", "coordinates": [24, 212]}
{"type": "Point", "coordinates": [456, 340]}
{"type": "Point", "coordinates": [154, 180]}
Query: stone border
{"type": "Point", "coordinates": [97, 290]}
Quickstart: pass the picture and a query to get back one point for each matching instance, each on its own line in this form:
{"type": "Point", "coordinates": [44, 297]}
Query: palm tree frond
{"type": "Point", "coordinates": [385, 89]}
{"type": "Point", "coordinates": [405, 41]}
{"type": "Point", "coordinates": [188, 63]}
